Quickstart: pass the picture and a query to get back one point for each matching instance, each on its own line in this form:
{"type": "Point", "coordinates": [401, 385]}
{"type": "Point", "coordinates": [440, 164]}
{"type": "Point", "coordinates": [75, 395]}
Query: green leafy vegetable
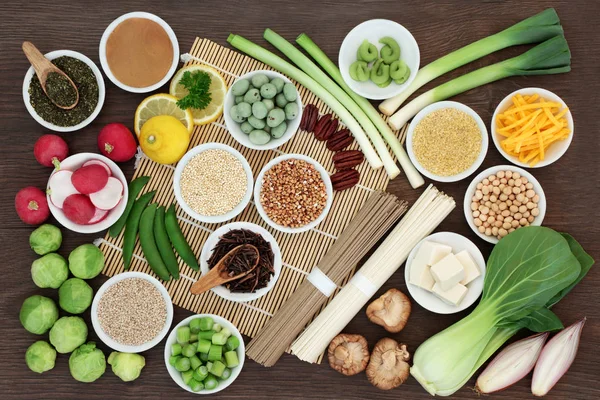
{"type": "Point", "coordinates": [198, 85]}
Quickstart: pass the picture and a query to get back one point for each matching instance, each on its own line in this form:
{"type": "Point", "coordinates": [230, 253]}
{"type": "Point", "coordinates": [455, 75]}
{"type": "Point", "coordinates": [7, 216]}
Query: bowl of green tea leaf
{"type": "Point", "coordinates": [89, 82]}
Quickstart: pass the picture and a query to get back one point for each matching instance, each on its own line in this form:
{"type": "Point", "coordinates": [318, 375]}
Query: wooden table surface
{"type": "Point", "coordinates": [571, 184]}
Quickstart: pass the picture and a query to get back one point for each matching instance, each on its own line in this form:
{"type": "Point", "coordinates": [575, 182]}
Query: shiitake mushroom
{"type": "Point", "coordinates": [348, 354]}
{"type": "Point", "coordinates": [391, 310]}
{"type": "Point", "coordinates": [388, 367]}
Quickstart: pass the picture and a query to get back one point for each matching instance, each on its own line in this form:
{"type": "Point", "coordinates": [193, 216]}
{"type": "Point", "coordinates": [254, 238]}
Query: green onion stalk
{"type": "Point", "coordinates": [535, 29]}
{"type": "Point", "coordinates": [550, 57]}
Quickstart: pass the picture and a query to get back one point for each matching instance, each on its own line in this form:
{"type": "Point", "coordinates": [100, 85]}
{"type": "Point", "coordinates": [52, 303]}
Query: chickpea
{"type": "Point", "coordinates": [530, 193]}
{"type": "Point", "coordinates": [518, 182]}
{"type": "Point", "coordinates": [508, 174]}
{"type": "Point", "coordinates": [488, 231]}
{"type": "Point", "coordinates": [500, 174]}
{"type": "Point", "coordinates": [486, 210]}
{"type": "Point", "coordinates": [485, 190]}
{"type": "Point", "coordinates": [509, 202]}
{"type": "Point", "coordinates": [511, 182]}
{"type": "Point", "coordinates": [516, 175]}
{"type": "Point", "coordinates": [483, 217]}
{"type": "Point", "coordinates": [506, 191]}
{"type": "Point", "coordinates": [474, 206]}
{"type": "Point", "coordinates": [503, 197]}
{"type": "Point", "coordinates": [529, 185]}
{"type": "Point", "coordinates": [508, 219]}
{"type": "Point", "coordinates": [481, 229]}
{"type": "Point", "coordinates": [496, 182]}
{"type": "Point", "coordinates": [522, 209]}
{"type": "Point", "coordinates": [496, 191]}
{"type": "Point", "coordinates": [511, 197]}
{"type": "Point", "coordinates": [516, 190]}
{"type": "Point", "coordinates": [477, 222]}
{"type": "Point", "coordinates": [479, 186]}
{"type": "Point", "coordinates": [531, 205]}
{"type": "Point", "coordinates": [493, 198]}
{"type": "Point", "coordinates": [526, 214]}
{"type": "Point", "coordinates": [505, 213]}
{"type": "Point", "coordinates": [488, 204]}
{"type": "Point", "coordinates": [502, 206]}
{"type": "Point", "coordinates": [524, 180]}
{"type": "Point", "coordinates": [485, 181]}
{"type": "Point", "coordinates": [503, 181]}
{"type": "Point", "coordinates": [495, 230]}
{"type": "Point", "coordinates": [520, 197]}
{"type": "Point", "coordinates": [518, 216]}
{"type": "Point", "coordinates": [491, 220]}
{"type": "Point", "coordinates": [514, 209]}
{"type": "Point", "coordinates": [535, 212]}
{"type": "Point", "coordinates": [476, 213]}
{"type": "Point", "coordinates": [530, 219]}
{"type": "Point", "coordinates": [506, 225]}
{"type": "Point", "coordinates": [523, 222]}
{"type": "Point", "coordinates": [536, 199]}
{"type": "Point", "coordinates": [479, 195]}
{"type": "Point", "coordinates": [502, 232]}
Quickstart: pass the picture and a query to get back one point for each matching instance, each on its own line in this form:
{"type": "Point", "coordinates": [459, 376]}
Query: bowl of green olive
{"type": "Point", "coordinates": [262, 110]}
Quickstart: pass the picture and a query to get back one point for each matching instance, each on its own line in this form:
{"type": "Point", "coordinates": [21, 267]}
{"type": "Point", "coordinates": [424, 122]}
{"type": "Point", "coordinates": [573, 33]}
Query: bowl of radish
{"type": "Point", "coordinates": [88, 193]}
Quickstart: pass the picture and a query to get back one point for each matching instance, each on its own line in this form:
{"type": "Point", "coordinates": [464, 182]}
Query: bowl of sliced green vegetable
{"type": "Point", "coordinates": [204, 353]}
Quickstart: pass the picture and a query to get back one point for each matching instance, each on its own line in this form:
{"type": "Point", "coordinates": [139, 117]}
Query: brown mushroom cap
{"type": "Point", "coordinates": [391, 310]}
{"type": "Point", "coordinates": [348, 354]}
{"type": "Point", "coordinates": [389, 366]}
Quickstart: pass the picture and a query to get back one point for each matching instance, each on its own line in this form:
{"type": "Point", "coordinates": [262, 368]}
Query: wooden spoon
{"type": "Point", "coordinates": [43, 67]}
{"type": "Point", "coordinates": [218, 275]}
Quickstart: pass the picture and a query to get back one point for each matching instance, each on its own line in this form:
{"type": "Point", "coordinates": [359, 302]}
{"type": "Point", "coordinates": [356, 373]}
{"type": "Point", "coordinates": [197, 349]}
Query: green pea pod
{"type": "Point", "coordinates": [135, 186]}
{"type": "Point", "coordinates": [390, 52]}
{"type": "Point", "coordinates": [366, 52]}
{"type": "Point", "coordinates": [380, 73]}
{"type": "Point", "coordinates": [164, 244]}
{"type": "Point", "coordinates": [148, 243]}
{"type": "Point", "coordinates": [178, 240]}
{"type": "Point", "coordinates": [131, 227]}
{"type": "Point", "coordinates": [359, 71]}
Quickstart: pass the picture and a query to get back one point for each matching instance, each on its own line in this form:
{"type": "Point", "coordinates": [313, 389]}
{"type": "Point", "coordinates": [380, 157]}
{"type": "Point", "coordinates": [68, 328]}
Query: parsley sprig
{"type": "Point", "coordinates": [197, 84]}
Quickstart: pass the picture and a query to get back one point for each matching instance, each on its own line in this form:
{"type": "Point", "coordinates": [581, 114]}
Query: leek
{"type": "Point", "coordinates": [535, 29]}
{"type": "Point", "coordinates": [550, 57]}
{"type": "Point", "coordinates": [284, 67]}
{"type": "Point", "coordinates": [413, 176]}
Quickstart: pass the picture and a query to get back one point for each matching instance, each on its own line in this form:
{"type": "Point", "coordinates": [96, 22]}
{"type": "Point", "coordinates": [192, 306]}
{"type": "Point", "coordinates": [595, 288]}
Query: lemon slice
{"type": "Point", "coordinates": [161, 104]}
{"type": "Point", "coordinates": [217, 90]}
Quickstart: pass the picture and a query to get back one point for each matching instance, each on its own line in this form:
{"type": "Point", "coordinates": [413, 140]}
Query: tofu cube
{"type": "Point", "coordinates": [423, 278]}
{"type": "Point", "coordinates": [453, 296]}
{"type": "Point", "coordinates": [448, 272]}
{"type": "Point", "coordinates": [471, 269]}
{"type": "Point", "coordinates": [428, 254]}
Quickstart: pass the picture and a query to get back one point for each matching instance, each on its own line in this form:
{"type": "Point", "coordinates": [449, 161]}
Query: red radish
{"type": "Point", "coordinates": [89, 179]}
{"type": "Point", "coordinates": [116, 142]}
{"type": "Point", "coordinates": [98, 162]}
{"type": "Point", "coordinates": [109, 196]}
{"type": "Point", "coordinates": [79, 209]}
{"type": "Point", "coordinates": [31, 205]}
{"type": "Point", "coordinates": [99, 215]}
{"type": "Point", "coordinates": [60, 187]}
{"type": "Point", "coordinates": [50, 150]}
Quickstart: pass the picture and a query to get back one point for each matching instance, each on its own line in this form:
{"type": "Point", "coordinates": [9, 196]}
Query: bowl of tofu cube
{"type": "Point", "coordinates": [444, 273]}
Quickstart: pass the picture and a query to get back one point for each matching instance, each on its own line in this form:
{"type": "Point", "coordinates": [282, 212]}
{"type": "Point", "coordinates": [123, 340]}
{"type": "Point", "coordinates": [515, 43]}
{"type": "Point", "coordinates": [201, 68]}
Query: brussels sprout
{"type": "Point", "coordinates": [126, 366]}
{"type": "Point", "coordinates": [87, 363]}
{"type": "Point", "coordinates": [75, 296]}
{"type": "Point", "coordinates": [86, 261]}
{"type": "Point", "coordinates": [38, 314]}
{"type": "Point", "coordinates": [45, 239]}
{"type": "Point", "coordinates": [40, 357]}
{"type": "Point", "coordinates": [49, 271]}
{"type": "Point", "coordinates": [68, 333]}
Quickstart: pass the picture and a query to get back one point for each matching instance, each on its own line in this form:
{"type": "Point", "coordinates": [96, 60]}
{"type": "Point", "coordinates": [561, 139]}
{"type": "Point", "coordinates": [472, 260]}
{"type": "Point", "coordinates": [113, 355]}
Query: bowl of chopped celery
{"type": "Point", "coordinates": [204, 353]}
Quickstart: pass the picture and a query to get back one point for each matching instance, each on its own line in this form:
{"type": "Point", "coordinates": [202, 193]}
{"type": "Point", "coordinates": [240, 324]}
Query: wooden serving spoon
{"type": "Point", "coordinates": [43, 67]}
{"type": "Point", "coordinates": [218, 275]}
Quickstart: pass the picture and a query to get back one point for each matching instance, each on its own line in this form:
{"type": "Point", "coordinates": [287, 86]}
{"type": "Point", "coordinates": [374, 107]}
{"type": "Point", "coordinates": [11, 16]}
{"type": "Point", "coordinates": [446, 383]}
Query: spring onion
{"type": "Point", "coordinates": [413, 176]}
{"type": "Point", "coordinates": [284, 67]}
{"type": "Point", "coordinates": [535, 29]}
{"type": "Point", "coordinates": [550, 57]}
{"type": "Point", "coordinates": [306, 65]}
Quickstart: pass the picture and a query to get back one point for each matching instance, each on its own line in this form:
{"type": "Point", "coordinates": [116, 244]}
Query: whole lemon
{"type": "Point", "coordinates": [164, 139]}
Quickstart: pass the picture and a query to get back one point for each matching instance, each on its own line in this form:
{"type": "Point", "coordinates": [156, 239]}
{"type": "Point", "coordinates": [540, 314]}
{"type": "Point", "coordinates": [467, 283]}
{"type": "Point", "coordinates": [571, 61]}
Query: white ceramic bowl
{"type": "Point", "coordinates": [111, 28]}
{"type": "Point", "coordinates": [177, 179]}
{"type": "Point", "coordinates": [437, 106]}
{"type": "Point", "coordinates": [373, 30]}
{"type": "Point", "coordinates": [234, 128]}
{"type": "Point", "coordinates": [328, 188]}
{"type": "Point", "coordinates": [429, 300]}
{"type": "Point", "coordinates": [491, 171]}
{"type": "Point", "coordinates": [241, 350]}
{"type": "Point", "coordinates": [72, 163]}
{"type": "Point", "coordinates": [212, 241]}
{"type": "Point", "coordinates": [101, 92]}
{"type": "Point", "coordinates": [110, 342]}
{"type": "Point", "coordinates": [555, 150]}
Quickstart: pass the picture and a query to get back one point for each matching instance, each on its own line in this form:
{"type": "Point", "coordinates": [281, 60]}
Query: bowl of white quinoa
{"type": "Point", "coordinates": [213, 183]}
{"type": "Point", "coordinates": [132, 312]}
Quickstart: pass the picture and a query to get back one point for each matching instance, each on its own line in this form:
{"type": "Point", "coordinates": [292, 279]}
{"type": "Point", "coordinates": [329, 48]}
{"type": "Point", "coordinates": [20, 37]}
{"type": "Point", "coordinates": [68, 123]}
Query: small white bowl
{"type": "Point", "coordinates": [101, 92]}
{"type": "Point", "coordinates": [72, 163]}
{"type": "Point", "coordinates": [373, 30]}
{"type": "Point", "coordinates": [212, 240]}
{"type": "Point", "coordinates": [437, 106]}
{"type": "Point", "coordinates": [555, 150]}
{"type": "Point", "coordinates": [328, 189]}
{"type": "Point", "coordinates": [491, 171]}
{"type": "Point", "coordinates": [111, 28]}
{"type": "Point", "coordinates": [234, 128]}
{"type": "Point", "coordinates": [429, 300]}
{"type": "Point", "coordinates": [241, 351]}
{"type": "Point", "coordinates": [212, 218]}
{"type": "Point", "coordinates": [110, 342]}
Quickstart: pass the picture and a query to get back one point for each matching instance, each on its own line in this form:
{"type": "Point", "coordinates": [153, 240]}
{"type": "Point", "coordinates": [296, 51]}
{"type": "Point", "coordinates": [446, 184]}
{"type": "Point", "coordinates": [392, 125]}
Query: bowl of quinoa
{"type": "Point", "coordinates": [447, 141]}
{"type": "Point", "coordinates": [132, 312]}
{"type": "Point", "coordinates": [213, 183]}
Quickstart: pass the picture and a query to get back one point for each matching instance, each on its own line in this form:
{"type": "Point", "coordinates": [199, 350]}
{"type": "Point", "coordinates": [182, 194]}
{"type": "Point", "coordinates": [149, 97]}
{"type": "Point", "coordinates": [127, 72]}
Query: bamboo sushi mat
{"type": "Point", "coordinates": [300, 252]}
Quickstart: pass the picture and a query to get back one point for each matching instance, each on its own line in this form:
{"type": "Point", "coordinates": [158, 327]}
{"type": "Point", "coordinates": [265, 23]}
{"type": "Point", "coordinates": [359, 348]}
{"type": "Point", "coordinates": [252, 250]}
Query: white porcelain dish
{"type": "Point", "coordinates": [110, 342]}
{"type": "Point", "coordinates": [491, 171]}
{"type": "Point", "coordinates": [429, 300]}
{"type": "Point", "coordinates": [212, 241]}
{"type": "Point", "coordinates": [72, 163]}
{"type": "Point", "coordinates": [235, 372]}
{"type": "Point", "coordinates": [111, 28]}
{"type": "Point", "coordinates": [437, 106]}
{"type": "Point", "coordinates": [555, 150]}
{"type": "Point", "coordinates": [328, 189]}
{"type": "Point", "coordinates": [234, 128]}
{"type": "Point", "coordinates": [101, 92]}
{"type": "Point", "coordinates": [212, 218]}
{"type": "Point", "coordinates": [373, 30]}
